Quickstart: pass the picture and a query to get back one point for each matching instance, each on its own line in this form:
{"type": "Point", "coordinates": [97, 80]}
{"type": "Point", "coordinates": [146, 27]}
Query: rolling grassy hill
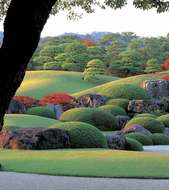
{"type": "Point", "coordinates": [39, 83]}
{"type": "Point", "coordinates": [134, 80]}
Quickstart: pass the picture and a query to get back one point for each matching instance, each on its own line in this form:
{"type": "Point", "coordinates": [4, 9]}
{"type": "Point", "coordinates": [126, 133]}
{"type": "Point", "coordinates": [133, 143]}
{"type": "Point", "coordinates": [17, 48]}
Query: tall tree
{"type": "Point", "coordinates": [23, 24]}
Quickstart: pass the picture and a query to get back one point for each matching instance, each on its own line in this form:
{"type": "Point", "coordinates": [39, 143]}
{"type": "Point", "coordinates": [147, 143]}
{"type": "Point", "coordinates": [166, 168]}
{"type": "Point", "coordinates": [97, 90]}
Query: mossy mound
{"type": "Point", "coordinates": [100, 119]}
{"type": "Point", "coordinates": [41, 111]}
{"type": "Point", "coordinates": [121, 102]}
{"type": "Point", "coordinates": [142, 138]}
{"type": "Point", "coordinates": [114, 110]}
{"type": "Point", "coordinates": [126, 91]}
{"type": "Point", "coordinates": [133, 145]}
{"type": "Point", "coordinates": [151, 124]}
{"type": "Point", "coordinates": [160, 139]}
{"type": "Point", "coordinates": [83, 135]}
{"type": "Point", "coordinates": [146, 115]}
{"type": "Point", "coordinates": [164, 119]}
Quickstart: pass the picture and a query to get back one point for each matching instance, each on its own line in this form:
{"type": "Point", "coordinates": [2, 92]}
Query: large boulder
{"type": "Point", "coordinates": [91, 100]}
{"type": "Point", "coordinates": [147, 106]}
{"type": "Point", "coordinates": [121, 121]}
{"type": "Point", "coordinates": [16, 106]}
{"type": "Point", "coordinates": [136, 128]}
{"type": "Point", "coordinates": [34, 138]}
{"type": "Point", "coordinates": [116, 140]}
{"type": "Point", "coordinates": [156, 88]}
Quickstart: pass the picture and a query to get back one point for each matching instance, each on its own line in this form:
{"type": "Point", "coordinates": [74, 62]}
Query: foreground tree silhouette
{"type": "Point", "coordinates": [24, 21]}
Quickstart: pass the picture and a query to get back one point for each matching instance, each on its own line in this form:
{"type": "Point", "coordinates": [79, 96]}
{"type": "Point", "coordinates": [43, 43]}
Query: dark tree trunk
{"type": "Point", "coordinates": [22, 28]}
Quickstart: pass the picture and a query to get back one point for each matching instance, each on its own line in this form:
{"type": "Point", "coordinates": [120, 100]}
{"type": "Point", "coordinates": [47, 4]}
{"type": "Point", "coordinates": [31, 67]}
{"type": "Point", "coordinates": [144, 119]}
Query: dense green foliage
{"type": "Point", "coordinates": [160, 139]}
{"type": "Point", "coordinates": [100, 119]}
{"type": "Point", "coordinates": [41, 111]}
{"type": "Point", "coordinates": [164, 119]}
{"type": "Point", "coordinates": [114, 110]}
{"type": "Point", "coordinates": [27, 121]}
{"type": "Point", "coordinates": [142, 138]}
{"type": "Point", "coordinates": [121, 102]}
{"type": "Point", "coordinates": [94, 68]}
{"type": "Point", "coordinates": [133, 145]}
{"type": "Point", "coordinates": [83, 135]}
{"type": "Point", "coordinates": [153, 125]}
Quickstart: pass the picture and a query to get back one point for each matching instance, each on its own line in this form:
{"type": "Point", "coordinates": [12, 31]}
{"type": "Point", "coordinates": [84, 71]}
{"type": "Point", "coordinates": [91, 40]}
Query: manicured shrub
{"type": "Point", "coordinates": [142, 138]}
{"type": "Point", "coordinates": [41, 111]}
{"type": "Point", "coordinates": [56, 98]}
{"type": "Point", "coordinates": [133, 144]}
{"type": "Point", "coordinates": [100, 119]}
{"type": "Point", "coordinates": [127, 91]}
{"type": "Point", "coordinates": [121, 102]}
{"type": "Point", "coordinates": [151, 124]}
{"type": "Point", "coordinates": [27, 101]}
{"type": "Point", "coordinates": [164, 119]}
{"type": "Point", "coordinates": [83, 135]}
{"type": "Point", "coordinates": [160, 139]}
{"type": "Point", "coordinates": [115, 110]}
{"type": "Point", "coordinates": [146, 115]}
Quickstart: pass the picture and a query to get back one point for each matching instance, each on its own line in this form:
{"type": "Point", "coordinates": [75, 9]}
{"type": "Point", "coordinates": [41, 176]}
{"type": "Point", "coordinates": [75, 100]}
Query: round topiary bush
{"type": "Point", "coordinates": [83, 135]}
{"type": "Point", "coordinates": [164, 119]}
{"type": "Point", "coordinates": [41, 111]}
{"type": "Point", "coordinates": [160, 139]}
{"type": "Point", "coordinates": [133, 144]}
{"type": "Point", "coordinates": [114, 110]}
{"type": "Point", "coordinates": [142, 138]}
{"type": "Point", "coordinates": [127, 91]}
{"type": "Point", "coordinates": [151, 124]}
{"type": "Point", "coordinates": [100, 119]}
{"type": "Point", "coordinates": [146, 115]}
{"type": "Point", "coordinates": [121, 102]}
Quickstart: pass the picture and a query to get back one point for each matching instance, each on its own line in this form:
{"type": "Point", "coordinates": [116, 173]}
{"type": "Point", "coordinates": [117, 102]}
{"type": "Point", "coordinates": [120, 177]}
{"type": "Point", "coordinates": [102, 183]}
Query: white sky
{"type": "Point", "coordinates": [143, 23]}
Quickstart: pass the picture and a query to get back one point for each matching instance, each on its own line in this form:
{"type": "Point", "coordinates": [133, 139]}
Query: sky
{"type": "Point", "coordinates": [128, 19]}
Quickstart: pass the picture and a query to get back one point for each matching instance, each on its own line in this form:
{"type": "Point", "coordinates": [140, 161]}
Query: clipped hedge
{"type": "Point", "coordinates": [146, 115]}
{"type": "Point", "coordinates": [151, 124]}
{"type": "Point", "coordinates": [133, 144]}
{"type": "Point", "coordinates": [142, 138]}
{"type": "Point", "coordinates": [114, 110]}
{"type": "Point", "coordinates": [100, 119]}
{"type": "Point", "coordinates": [160, 139]}
{"type": "Point", "coordinates": [83, 135]}
{"type": "Point", "coordinates": [41, 111]}
{"type": "Point", "coordinates": [164, 119]}
{"type": "Point", "coordinates": [127, 91]}
{"type": "Point", "coordinates": [121, 102]}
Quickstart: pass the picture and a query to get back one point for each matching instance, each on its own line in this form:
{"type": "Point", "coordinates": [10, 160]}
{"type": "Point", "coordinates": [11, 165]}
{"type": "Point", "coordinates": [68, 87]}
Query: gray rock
{"type": "Point", "coordinates": [91, 100]}
{"type": "Point", "coordinates": [16, 106]}
{"type": "Point", "coordinates": [34, 138]}
{"type": "Point", "coordinates": [57, 109]}
{"type": "Point", "coordinates": [136, 128]}
{"type": "Point", "coordinates": [116, 140]}
{"type": "Point", "coordinates": [166, 131]}
{"type": "Point", "coordinates": [156, 88]}
{"type": "Point", "coordinates": [147, 106]}
{"type": "Point", "coordinates": [121, 121]}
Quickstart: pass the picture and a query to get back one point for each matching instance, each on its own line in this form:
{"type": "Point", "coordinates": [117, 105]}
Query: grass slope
{"type": "Point", "coordinates": [99, 163]}
{"type": "Point", "coordinates": [27, 121]}
{"type": "Point", "coordinates": [135, 80]}
{"type": "Point", "coordinates": [39, 83]}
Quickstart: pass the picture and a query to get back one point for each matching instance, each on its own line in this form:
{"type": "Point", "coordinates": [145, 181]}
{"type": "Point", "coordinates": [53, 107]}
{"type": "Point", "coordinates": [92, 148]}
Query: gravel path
{"type": "Point", "coordinates": [157, 148]}
{"type": "Point", "coordinates": [17, 181]}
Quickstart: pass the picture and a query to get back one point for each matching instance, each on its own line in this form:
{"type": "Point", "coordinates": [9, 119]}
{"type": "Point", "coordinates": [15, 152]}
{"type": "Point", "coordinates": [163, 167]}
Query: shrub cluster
{"type": "Point", "coordinates": [41, 111]}
{"type": "Point", "coordinates": [83, 135]}
{"type": "Point", "coordinates": [114, 110]}
{"type": "Point", "coordinates": [133, 144]}
{"type": "Point", "coordinates": [121, 102]}
{"type": "Point", "coordinates": [27, 101]}
{"type": "Point", "coordinates": [146, 115]}
{"type": "Point", "coordinates": [160, 139]}
{"type": "Point", "coordinates": [100, 119]}
{"type": "Point", "coordinates": [164, 119]}
{"type": "Point", "coordinates": [151, 124]}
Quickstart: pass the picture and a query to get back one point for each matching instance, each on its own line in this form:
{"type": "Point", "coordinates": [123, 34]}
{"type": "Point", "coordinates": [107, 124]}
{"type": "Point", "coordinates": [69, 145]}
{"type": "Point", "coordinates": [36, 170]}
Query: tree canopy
{"type": "Point", "coordinates": [72, 6]}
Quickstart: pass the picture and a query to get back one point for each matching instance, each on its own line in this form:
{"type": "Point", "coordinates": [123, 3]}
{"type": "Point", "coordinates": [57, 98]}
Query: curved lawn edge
{"type": "Point", "coordinates": [87, 163]}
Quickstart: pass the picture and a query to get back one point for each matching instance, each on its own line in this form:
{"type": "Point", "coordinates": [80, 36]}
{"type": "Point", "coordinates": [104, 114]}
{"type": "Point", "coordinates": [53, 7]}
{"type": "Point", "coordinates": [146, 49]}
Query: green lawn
{"type": "Point", "coordinates": [135, 80]}
{"type": "Point", "coordinates": [39, 83]}
{"type": "Point", "coordinates": [27, 121]}
{"type": "Point", "coordinates": [99, 163]}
